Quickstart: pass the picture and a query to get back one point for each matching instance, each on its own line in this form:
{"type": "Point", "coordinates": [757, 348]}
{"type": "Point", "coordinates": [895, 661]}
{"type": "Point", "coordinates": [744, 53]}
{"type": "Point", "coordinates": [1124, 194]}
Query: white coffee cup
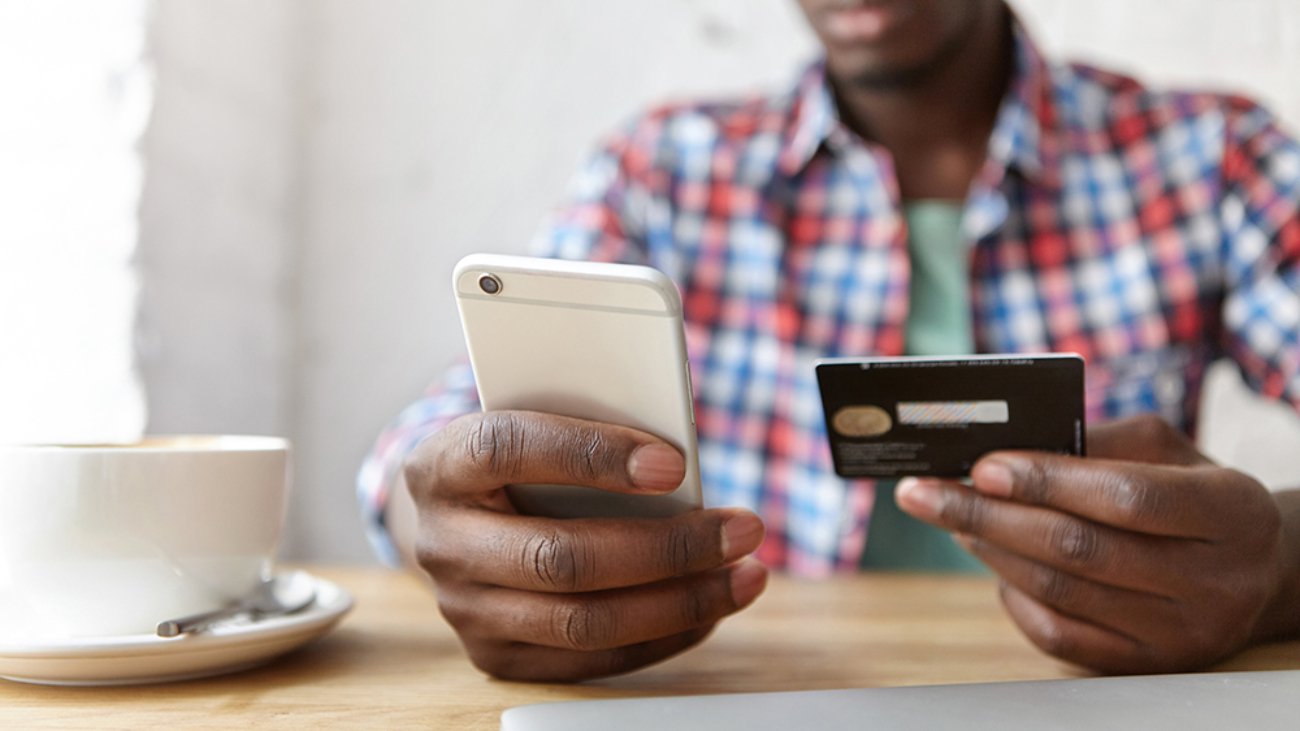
{"type": "Point", "coordinates": [110, 540]}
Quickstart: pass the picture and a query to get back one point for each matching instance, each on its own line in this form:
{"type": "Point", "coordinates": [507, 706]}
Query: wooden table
{"type": "Point", "coordinates": [393, 663]}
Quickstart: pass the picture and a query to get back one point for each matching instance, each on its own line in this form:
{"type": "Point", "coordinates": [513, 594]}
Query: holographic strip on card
{"type": "Point", "coordinates": [935, 413]}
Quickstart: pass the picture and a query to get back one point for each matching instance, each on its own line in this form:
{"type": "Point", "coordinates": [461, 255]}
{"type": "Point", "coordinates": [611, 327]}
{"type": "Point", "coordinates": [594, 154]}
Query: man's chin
{"type": "Point", "coordinates": [899, 75]}
{"type": "Point", "coordinates": [893, 78]}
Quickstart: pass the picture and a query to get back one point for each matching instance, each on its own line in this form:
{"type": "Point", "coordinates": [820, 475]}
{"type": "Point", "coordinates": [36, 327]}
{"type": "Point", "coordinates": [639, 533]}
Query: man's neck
{"type": "Point", "coordinates": [937, 128]}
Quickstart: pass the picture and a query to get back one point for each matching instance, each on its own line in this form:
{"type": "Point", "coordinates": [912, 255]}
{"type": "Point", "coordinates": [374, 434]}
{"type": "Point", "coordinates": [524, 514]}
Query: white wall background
{"type": "Point", "coordinates": [316, 168]}
{"type": "Point", "coordinates": [76, 96]}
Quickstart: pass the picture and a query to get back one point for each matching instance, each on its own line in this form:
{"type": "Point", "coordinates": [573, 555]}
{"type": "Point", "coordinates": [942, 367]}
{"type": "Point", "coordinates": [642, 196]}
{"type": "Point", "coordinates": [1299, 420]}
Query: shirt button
{"type": "Point", "coordinates": [1169, 388]}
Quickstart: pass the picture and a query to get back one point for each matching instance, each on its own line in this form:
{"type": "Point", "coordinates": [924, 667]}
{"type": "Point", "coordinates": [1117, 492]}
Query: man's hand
{"type": "Point", "coordinates": [561, 600]}
{"type": "Point", "coordinates": [1143, 557]}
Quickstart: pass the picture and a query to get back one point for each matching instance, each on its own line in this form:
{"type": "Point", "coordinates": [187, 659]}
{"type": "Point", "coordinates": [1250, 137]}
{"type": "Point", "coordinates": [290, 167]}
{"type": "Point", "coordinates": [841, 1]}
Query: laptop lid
{"type": "Point", "coordinates": [1176, 702]}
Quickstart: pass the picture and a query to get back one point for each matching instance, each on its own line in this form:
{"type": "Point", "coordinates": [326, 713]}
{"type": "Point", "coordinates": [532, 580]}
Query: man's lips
{"type": "Point", "coordinates": [859, 22]}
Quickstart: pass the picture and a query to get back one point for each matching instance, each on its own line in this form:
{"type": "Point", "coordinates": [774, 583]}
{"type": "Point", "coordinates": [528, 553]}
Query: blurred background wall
{"type": "Point", "coordinates": [314, 168]}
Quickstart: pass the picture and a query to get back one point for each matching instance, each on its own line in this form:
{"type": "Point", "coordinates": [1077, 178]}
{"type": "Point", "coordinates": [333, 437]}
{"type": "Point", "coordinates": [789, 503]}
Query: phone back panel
{"type": "Point", "coordinates": [594, 341]}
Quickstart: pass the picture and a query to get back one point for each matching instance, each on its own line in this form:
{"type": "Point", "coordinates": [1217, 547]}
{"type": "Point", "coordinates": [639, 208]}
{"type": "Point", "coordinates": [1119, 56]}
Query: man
{"type": "Point", "coordinates": [934, 187]}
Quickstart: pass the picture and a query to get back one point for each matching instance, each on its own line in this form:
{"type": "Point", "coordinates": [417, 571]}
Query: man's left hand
{"type": "Point", "coordinates": [1143, 557]}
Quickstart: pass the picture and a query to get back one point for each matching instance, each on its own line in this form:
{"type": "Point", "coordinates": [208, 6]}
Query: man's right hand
{"type": "Point", "coordinates": [562, 600]}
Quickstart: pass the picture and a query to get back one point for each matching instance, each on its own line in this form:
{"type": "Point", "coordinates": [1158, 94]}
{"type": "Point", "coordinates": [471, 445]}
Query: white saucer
{"type": "Point", "coordinates": [128, 659]}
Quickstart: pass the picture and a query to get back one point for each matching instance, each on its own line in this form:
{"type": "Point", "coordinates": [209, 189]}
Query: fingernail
{"type": "Point", "coordinates": [656, 467]}
{"type": "Point", "coordinates": [740, 536]}
{"type": "Point", "coordinates": [747, 582]}
{"type": "Point", "coordinates": [920, 498]}
{"type": "Point", "coordinates": [994, 476]}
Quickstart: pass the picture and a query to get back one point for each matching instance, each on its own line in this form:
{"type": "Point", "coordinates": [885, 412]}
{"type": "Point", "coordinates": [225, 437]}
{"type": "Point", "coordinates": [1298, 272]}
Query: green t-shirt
{"type": "Point", "coordinates": [938, 323]}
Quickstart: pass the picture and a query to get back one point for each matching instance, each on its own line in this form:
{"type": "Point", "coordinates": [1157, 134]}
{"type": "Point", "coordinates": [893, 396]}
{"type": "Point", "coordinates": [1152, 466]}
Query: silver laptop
{"type": "Point", "coordinates": [1245, 700]}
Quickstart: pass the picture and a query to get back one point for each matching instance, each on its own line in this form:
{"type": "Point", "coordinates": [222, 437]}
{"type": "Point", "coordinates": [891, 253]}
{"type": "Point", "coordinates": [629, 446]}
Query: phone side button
{"type": "Point", "coordinates": [690, 390]}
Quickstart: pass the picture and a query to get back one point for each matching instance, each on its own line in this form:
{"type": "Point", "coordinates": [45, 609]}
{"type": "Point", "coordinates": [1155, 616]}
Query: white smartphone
{"type": "Point", "coordinates": [602, 342]}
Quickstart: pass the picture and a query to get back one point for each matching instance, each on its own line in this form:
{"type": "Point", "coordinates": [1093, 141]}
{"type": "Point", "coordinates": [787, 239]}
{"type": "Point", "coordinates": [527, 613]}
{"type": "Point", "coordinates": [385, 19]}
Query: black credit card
{"type": "Point", "coordinates": [920, 416]}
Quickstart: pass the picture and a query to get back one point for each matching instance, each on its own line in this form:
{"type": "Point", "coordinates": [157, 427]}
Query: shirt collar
{"type": "Point", "coordinates": [812, 119]}
{"type": "Point", "coordinates": [1025, 135]}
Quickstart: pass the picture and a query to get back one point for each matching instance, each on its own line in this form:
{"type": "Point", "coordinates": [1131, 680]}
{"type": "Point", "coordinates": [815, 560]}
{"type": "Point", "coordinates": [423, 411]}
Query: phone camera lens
{"type": "Point", "coordinates": [489, 284]}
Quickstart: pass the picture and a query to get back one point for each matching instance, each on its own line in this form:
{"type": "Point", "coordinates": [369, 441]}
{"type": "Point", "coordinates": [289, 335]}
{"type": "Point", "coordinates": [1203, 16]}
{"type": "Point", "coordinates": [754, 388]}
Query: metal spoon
{"type": "Point", "coordinates": [279, 595]}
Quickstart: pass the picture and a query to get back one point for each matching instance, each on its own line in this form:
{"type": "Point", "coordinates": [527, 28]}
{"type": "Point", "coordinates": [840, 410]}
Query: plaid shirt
{"type": "Point", "coordinates": [1151, 232]}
